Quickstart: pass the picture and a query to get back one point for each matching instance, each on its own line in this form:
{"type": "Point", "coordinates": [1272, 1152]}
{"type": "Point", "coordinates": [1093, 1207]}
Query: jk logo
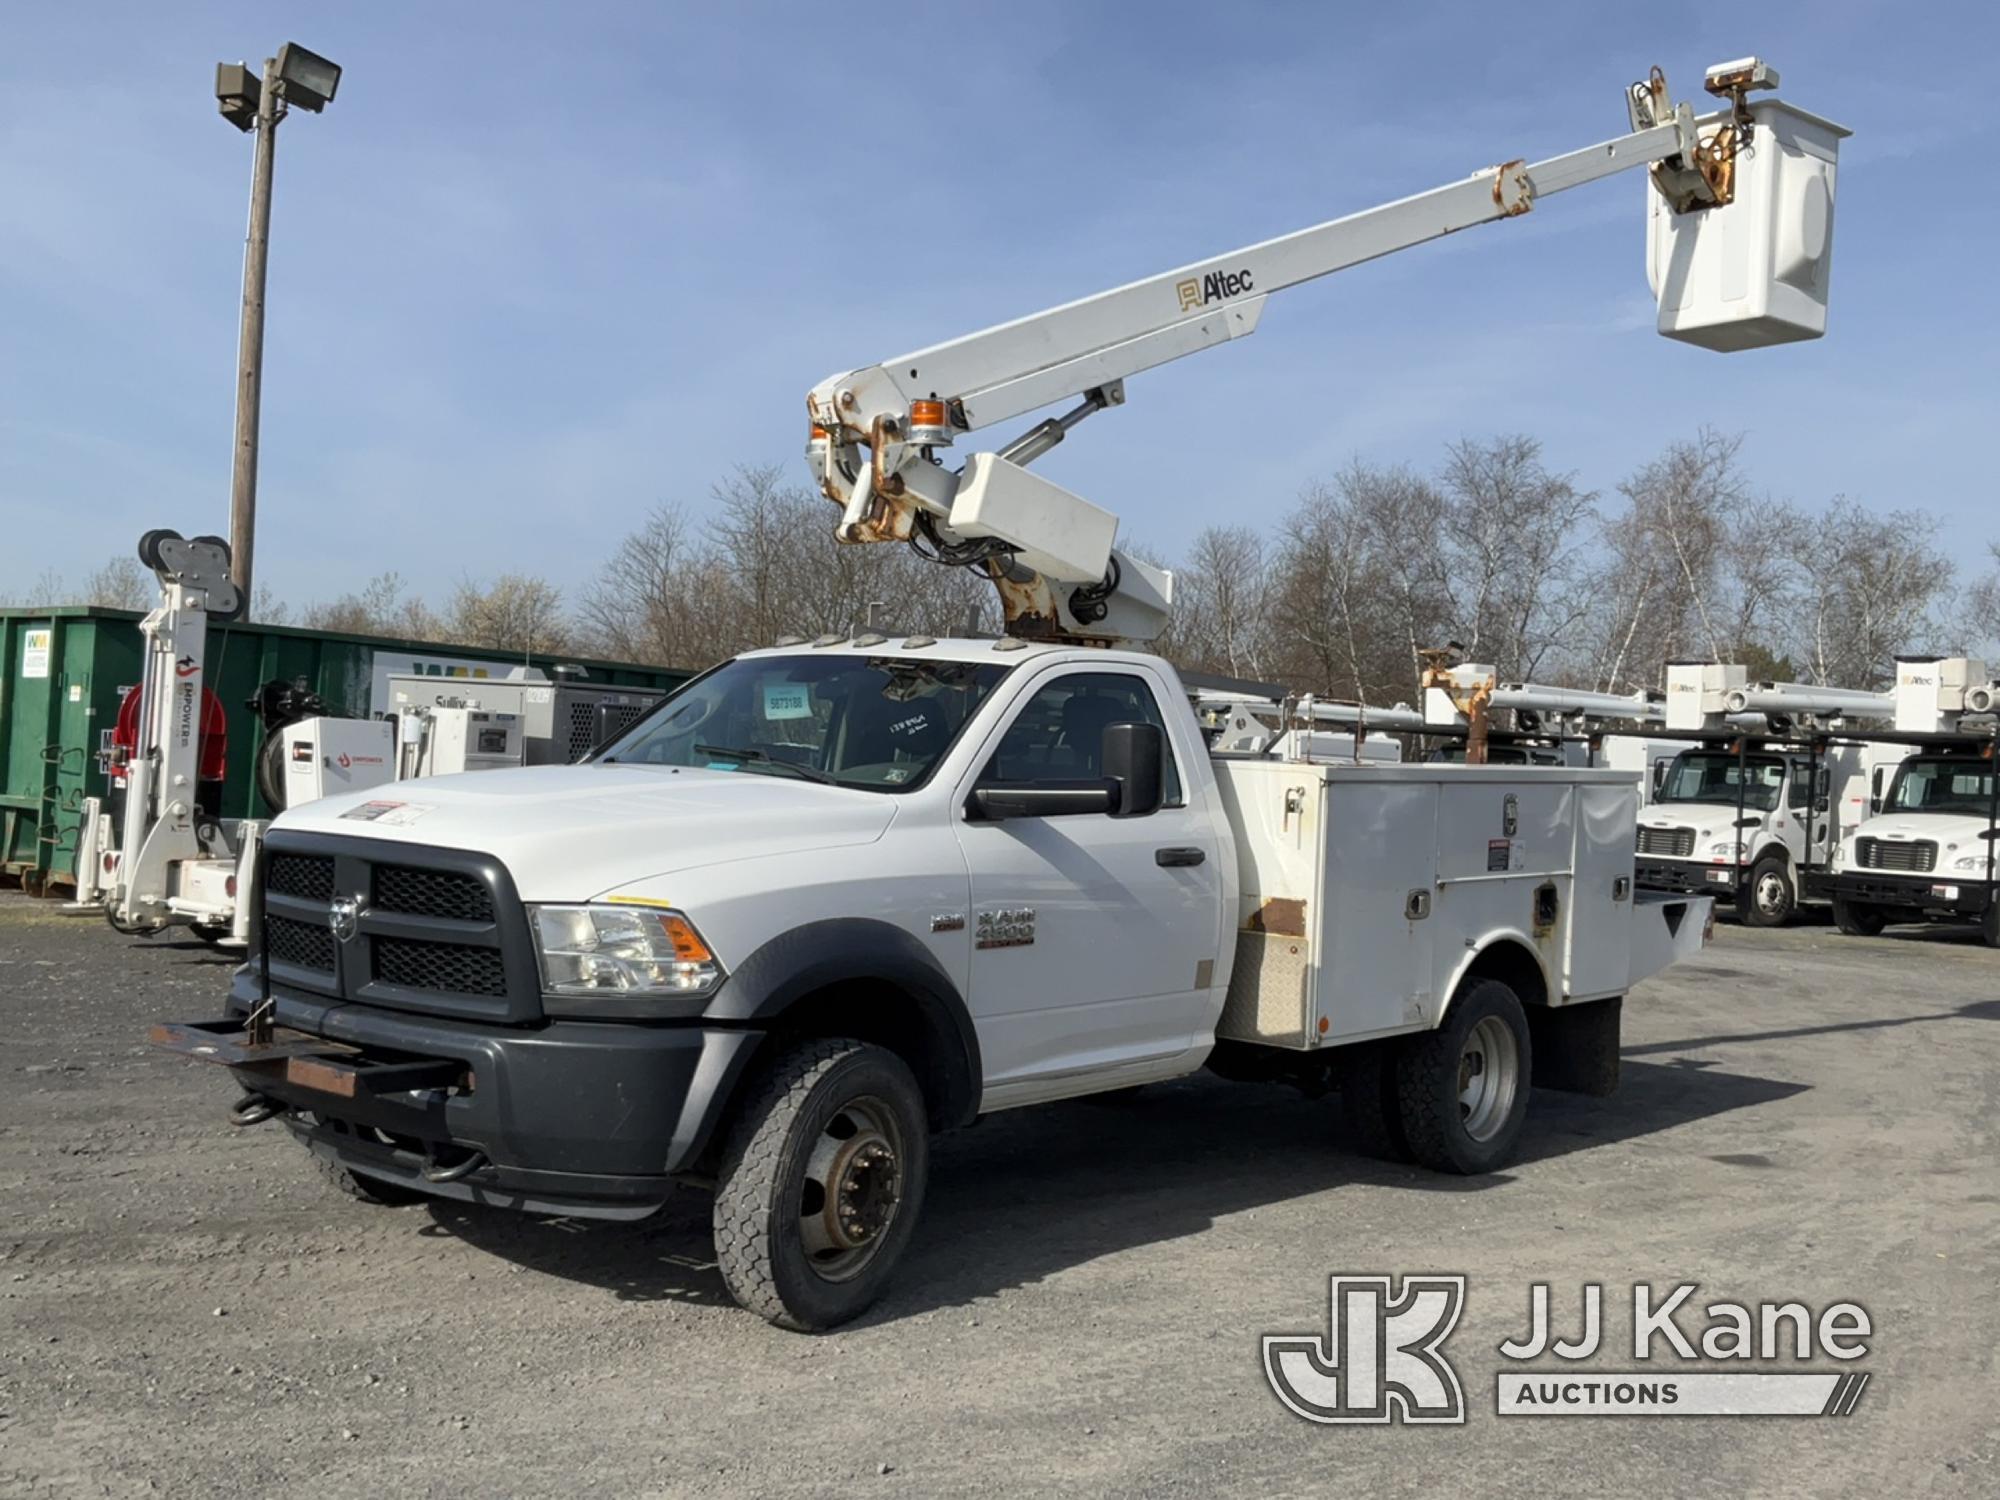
{"type": "Point", "coordinates": [1382, 1361]}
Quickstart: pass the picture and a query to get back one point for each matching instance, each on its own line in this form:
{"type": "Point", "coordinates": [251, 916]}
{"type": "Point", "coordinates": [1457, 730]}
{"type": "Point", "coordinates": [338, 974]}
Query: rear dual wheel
{"type": "Point", "coordinates": [1454, 1099]}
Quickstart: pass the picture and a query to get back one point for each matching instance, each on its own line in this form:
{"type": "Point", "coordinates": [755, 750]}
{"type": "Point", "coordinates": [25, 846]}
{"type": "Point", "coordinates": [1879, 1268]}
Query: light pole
{"type": "Point", "coordinates": [294, 77]}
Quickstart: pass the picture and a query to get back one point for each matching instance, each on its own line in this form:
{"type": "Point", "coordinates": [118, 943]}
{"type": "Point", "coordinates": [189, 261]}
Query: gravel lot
{"type": "Point", "coordinates": [184, 1308]}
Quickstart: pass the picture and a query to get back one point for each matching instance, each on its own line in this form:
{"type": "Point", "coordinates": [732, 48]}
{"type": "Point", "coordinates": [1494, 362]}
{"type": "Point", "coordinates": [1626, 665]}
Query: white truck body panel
{"type": "Point", "coordinates": [1366, 891]}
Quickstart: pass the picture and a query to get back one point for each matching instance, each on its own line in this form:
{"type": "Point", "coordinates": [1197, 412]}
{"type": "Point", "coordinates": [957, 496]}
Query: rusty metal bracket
{"type": "Point", "coordinates": [305, 1061]}
{"type": "Point", "coordinates": [1513, 193]}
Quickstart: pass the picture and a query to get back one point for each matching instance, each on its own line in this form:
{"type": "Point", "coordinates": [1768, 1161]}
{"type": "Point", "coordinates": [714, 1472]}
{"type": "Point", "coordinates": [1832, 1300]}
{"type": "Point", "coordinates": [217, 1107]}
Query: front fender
{"type": "Point", "coordinates": [846, 950]}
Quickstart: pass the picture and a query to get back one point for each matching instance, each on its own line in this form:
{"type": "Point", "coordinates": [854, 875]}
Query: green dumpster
{"type": "Point", "coordinates": [65, 670]}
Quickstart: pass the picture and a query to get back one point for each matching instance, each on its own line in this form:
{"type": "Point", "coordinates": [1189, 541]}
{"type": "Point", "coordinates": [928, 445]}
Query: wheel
{"type": "Point", "coordinates": [1768, 898]}
{"type": "Point", "coordinates": [1858, 918]}
{"type": "Point", "coordinates": [821, 1183]}
{"type": "Point", "coordinates": [149, 545]}
{"type": "Point", "coordinates": [1462, 1090]}
{"type": "Point", "coordinates": [1368, 1101]}
{"type": "Point", "coordinates": [270, 768]}
{"type": "Point", "coordinates": [213, 935]}
{"type": "Point", "coordinates": [1989, 924]}
{"type": "Point", "coordinates": [365, 1189]}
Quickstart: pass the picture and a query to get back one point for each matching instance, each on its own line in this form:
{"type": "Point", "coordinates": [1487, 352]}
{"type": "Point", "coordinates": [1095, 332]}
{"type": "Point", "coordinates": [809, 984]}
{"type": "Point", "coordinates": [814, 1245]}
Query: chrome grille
{"type": "Point", "coordinates": [1916, 856]}
{"type": "Point", "coordinates": [1674, 843]}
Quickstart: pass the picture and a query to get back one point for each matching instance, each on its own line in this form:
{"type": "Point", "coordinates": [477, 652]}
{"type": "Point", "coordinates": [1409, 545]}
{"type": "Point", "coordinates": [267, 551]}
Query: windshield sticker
{"type": "Point", "coordinates": [721, 765]}
{"type": "Point", "coordinates": [787, 700]}
{"type": "Point", "coordinates": [389, 814]}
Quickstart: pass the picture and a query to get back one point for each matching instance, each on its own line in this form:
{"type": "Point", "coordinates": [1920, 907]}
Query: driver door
{"type": "Point", "coordinates": [1094, 936]}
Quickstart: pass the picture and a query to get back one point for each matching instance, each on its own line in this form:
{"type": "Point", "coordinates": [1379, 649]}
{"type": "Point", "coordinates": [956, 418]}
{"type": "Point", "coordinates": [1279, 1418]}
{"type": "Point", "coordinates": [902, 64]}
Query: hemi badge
{"type": "Point", "coordinates": [948, 921]}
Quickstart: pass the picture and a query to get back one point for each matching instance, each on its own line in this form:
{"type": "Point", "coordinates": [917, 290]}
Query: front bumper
{"type": "Point", "coordinates": [571, 1117]}
{"type": "Point", "coordinates": [1931, 892]}
{"type": "Point", "coordinates": [1686, 877]}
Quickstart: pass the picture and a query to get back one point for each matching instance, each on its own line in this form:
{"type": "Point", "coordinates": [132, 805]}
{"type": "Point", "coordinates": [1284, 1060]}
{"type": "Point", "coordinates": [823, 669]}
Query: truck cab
{"type": "Point", "coordinates": [1740, 825]}
{"type": "Point", "coordinates": [1927, 850]}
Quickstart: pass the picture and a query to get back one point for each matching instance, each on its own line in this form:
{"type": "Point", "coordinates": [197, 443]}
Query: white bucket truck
{"type": "Point", "coordinates": [1757, 803]}
{"type": "Point", "coordinates": [829, 898]}
{"type": "Point", "coordinates": [1926, 849]}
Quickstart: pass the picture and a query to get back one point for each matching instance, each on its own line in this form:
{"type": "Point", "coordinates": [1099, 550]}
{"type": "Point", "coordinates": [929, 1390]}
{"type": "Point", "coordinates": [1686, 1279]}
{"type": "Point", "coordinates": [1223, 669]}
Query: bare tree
{"type": "Point", "coordinates": [1873, 585]}
{"type": "Point", "coordinates": [121, 584]}
{"type": "Point", "coordinates": [1220, 600]}
{"type": "Point", "coordinates": [516, 615]}
{"type": "Point", "coordinates": [381, 608]}
{"type": "Point", "coordinates": [1514, 536]}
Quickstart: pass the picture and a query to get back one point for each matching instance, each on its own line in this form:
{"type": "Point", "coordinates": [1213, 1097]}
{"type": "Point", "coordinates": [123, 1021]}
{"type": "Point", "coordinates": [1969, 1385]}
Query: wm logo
{"type": "Point", "coordinates": [1381, 1360]}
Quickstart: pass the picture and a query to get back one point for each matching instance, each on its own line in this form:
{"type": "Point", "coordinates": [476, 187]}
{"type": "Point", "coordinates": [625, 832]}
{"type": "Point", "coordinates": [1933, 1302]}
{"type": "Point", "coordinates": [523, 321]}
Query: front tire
{"type": "Point", "coordinates": [1462, 1090]}
{"type": "Point", "coordinates": [365, 1189]}
{"type": "Point", "coordinates": [1989, 923]}
{"type": "Point", "coordinates": [1768, 898]}
{"type": "Point", "coordinates": [1857, 918]}
{"type": "Point", "coordinates": [821, 1183]}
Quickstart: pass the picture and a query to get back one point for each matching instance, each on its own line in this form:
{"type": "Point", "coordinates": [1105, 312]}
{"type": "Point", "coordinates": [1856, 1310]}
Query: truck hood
{"type": "Point", "coordinates": [1709, 820]}
{"type": "Point", "coordinates": [1940, 828]}
{"type": "Point", "coordinates": [567, 833]}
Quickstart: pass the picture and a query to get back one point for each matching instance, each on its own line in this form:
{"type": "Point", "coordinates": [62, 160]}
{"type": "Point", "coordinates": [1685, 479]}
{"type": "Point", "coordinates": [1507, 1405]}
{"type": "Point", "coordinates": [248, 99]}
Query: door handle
{"type": "Point", "coordinates": [1173, 857]}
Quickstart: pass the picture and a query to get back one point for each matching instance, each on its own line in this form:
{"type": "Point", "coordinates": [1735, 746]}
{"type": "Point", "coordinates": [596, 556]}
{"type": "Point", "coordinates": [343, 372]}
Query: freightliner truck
{"type": "Point", "coordinates": [835, 896]}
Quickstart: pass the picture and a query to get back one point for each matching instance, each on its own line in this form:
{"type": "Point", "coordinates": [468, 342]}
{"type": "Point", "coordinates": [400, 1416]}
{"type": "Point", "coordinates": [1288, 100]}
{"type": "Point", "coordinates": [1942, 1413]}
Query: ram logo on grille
{"type": "Point", "coordinates": [344, 917]}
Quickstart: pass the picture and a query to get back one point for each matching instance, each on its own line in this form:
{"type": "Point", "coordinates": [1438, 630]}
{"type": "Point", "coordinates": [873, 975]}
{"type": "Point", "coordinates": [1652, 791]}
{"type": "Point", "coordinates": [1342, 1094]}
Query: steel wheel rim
{"type": "Point", "coordinates": [1489, 1076]}
{"type": "Point", "coordinates": [853, 1188]}
{"type": "Point", "coordinates": [1771, 894]}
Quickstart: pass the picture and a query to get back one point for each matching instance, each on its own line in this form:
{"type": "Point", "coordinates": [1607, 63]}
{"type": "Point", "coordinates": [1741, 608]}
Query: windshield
{"type": "Point", "coordinates": [1942, 786]}
{"type": "Point", "coordinates": [1712, 776]}
{"type": "Point", "coordinates": [877, 722]}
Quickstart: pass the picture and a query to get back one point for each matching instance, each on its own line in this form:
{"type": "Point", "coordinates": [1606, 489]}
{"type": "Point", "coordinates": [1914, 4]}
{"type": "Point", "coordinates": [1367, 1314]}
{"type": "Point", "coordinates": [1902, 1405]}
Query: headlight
{"type": "Point", "coordinates": [1725, 851]}
{"type": "Point", "coordinates": [611, 959]}
{"type": "Point", "coordinates": [1968, 862]}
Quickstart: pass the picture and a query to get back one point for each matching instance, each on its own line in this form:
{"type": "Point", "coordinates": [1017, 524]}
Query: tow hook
{"type": "Point", "coordinates": [253, 1109]}
{"type": "Point", "coordinates": [437, 1171]}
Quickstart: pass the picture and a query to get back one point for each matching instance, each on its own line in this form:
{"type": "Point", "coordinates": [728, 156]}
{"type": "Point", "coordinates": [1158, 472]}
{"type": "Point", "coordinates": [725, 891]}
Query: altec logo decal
{"type": "Point", "coordinates": [1199, 291]}
{"type": "Point", "coordinates": [1383, 1358]}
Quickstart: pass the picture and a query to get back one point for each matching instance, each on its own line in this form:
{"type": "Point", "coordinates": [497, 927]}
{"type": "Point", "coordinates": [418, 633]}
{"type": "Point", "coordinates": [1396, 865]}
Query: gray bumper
{"type": "Point", "coordinates": [589, 1118]}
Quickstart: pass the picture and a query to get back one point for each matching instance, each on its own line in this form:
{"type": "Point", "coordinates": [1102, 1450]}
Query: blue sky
{"type": "Point", "coordinates": [540, 267]}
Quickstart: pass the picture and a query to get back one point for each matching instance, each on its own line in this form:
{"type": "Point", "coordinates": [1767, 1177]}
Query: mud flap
{"type": "Point", "coordinates": [1576, 1046]}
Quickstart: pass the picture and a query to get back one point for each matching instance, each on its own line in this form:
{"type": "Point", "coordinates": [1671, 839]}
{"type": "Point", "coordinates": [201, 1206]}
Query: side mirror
{"type": "Point", "coordinates": [1133, 757]}
{"type": "Point", "coordinates": [1659, 775]}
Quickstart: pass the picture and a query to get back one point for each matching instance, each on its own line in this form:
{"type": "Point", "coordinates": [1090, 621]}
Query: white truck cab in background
{"type": "Point", "coordinates": [1925, 851]}
{"type": "Point", "coordinates": [1754, 804]}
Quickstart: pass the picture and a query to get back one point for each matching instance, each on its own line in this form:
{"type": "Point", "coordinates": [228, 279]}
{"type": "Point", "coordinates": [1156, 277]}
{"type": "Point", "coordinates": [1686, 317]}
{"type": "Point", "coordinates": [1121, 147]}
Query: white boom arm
{"type": "Point", "coordinates": [875, 430]}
